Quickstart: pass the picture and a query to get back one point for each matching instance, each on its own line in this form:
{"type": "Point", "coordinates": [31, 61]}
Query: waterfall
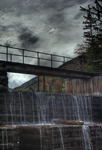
{"type": "Point", "coordinates": [22, 98]}
{"type": "Point", "coordinates": [53, 106]}
{"type": "Point", "coordinates": [32, 98]}
{"type": "Point", "coordinates": [20, 108]}
{"type": "Point", "coordinates": [62, 142]}
{"type": "Point", "coordinates": [40, 108]}
{"type": "Point", "coordinates": [40, 138]}
{"type": "Point", "coordinates": [82, 108]}
{"type": "Point", "coordinates": [87, 143]}
{"type": "Point", "coordinates": [64, 108]}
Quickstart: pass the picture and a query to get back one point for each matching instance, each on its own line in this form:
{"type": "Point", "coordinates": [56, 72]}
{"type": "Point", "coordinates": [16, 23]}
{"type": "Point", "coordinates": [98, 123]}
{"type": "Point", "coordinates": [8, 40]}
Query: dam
{"type": "Point", "coordinates": [29, 121]}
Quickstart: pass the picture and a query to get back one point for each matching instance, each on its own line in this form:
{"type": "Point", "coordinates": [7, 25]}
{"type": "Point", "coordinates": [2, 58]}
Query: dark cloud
{"type": "Point", "coordinates": [27, 39]}
{"type": "Point", "coordinates": [57, 18]}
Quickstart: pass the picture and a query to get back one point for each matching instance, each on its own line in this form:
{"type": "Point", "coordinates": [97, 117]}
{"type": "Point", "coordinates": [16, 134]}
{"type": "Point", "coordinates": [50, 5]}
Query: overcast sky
{"type": "Point", "coordinates": [52, 26]}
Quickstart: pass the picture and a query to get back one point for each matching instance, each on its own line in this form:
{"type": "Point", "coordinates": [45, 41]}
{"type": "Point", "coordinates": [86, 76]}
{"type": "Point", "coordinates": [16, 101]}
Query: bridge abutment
{"type": "Point", "coordinates": [3, 78]}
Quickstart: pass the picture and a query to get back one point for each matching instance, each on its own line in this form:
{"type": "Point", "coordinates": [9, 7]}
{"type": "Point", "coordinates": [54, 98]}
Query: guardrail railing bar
{"type": "Point", "coordinates": [23, 55]}
{"type": "Point", "coordinates": [34, 51]}
{"type": "Point", "coordinates": [7, 53]}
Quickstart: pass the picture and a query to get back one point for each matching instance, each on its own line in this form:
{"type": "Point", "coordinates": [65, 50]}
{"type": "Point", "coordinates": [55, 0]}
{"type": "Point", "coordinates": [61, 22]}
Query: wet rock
{"type": "Point", "coordinates": [69, 122]}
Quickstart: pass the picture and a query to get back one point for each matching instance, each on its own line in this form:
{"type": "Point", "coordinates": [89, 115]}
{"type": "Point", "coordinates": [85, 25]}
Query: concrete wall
{"type": "Point", "coordinates": [53, 137]}
{"type": "Point", "coordinates": [91, 86]}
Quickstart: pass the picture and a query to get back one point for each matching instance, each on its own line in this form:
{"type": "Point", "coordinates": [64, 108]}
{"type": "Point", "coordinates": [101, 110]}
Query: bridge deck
{"type": "Point", "coordinates": [45, 71]}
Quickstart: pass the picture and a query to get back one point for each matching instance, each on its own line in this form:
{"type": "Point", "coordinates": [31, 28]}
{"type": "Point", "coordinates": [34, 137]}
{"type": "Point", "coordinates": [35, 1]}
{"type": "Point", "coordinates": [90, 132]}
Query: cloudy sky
{"type": "Point", "coordinates": [52, 26]}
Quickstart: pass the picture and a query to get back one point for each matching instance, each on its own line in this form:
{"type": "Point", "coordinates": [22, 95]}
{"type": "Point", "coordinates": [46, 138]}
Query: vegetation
{"type": "Point", "coordinates": [92, 48]}
{"type": "Point", "coordinates": [52, 85]}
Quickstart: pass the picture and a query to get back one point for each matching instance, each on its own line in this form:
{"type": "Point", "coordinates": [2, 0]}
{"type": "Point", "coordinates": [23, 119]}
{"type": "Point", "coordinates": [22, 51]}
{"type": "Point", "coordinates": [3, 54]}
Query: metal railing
{"type": "Point", "coordinates": [13, 54]}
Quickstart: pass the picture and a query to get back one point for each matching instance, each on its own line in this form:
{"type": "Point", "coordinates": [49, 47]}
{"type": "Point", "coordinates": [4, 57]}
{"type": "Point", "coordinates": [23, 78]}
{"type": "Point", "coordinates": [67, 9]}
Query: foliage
{"type": "Point", "coordinates": [93, 35]}
{"type": "Point", "coordinates": [57, 87]}
{"type": "Point", "coordinates": [82, 48]}
{"type": "Point", "coordinates": [52, 85]}
{"type": "Point", "coordinates": [46, 86]}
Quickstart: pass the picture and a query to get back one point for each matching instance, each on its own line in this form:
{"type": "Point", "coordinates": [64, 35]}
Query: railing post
{"type": "Point", "coordinates": [6, 53]}
{"type": "Point", "coordinates": [11, 57]}
{"type": "Point", "coordinates": [51, 60]}
{"type": "Point", "coordinates": [23, 55]}
{"type": "Point", "coordinates": [63, 60]}
{"type": "Point", "coordinates": [38, 58]}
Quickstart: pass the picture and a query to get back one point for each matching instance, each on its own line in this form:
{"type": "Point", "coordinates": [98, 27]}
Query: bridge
{"type": "Point", "coordinates": [24, 61]}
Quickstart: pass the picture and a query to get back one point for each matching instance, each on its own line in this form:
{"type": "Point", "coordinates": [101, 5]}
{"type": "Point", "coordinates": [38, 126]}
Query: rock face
{"type": "Point", "coordinates": [69, 122]}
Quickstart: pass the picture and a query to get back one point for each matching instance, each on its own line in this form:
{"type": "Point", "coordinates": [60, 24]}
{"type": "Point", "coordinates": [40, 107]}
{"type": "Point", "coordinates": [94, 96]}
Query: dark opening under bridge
{"type": "Point", "coordinates": [24, 61]}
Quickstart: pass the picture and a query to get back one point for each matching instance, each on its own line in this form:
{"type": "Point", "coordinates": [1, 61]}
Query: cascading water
{"type": "Point", "coordinates": [40, 138]}
{"type": "Point", "coordinates": [37, 113]}
{"type": "Point", "coordinates": [62, 142]}
{"type": "Point", "coordinates": [82, 108]}
{"type": "Point", "coordinates": [44, 108]}
{"type": "Point", "coordinates": [87, 142]}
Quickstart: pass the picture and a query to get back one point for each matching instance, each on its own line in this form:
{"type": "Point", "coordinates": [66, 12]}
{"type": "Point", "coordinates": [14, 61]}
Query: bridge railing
{"type": "Point", "coordinates": [24, 56]}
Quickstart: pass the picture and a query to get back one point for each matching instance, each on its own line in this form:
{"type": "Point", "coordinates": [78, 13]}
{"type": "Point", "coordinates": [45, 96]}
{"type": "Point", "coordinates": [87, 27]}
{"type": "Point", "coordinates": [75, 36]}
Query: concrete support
{"type": "Point", "coordinates": [3, 78]}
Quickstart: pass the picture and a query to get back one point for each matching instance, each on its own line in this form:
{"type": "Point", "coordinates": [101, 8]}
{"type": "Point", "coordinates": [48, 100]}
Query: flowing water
{"type": "Point", "coordinates": [40, 138]}
{"type": "Point", "coordinates": [44, 108]}
{"type": "Point", "coordinates": [87, 143]}
{"type": "Point", "coordinates": [62, 142]}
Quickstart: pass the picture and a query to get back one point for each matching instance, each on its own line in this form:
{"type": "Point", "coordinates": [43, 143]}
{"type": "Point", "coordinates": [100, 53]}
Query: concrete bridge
{"type": "Point", "coordinates": [18, 60]}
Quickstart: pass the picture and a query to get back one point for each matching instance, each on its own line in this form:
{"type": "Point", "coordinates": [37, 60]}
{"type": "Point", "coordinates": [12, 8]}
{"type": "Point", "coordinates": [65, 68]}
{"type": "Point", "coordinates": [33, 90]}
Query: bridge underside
{"type": "Point", "coordinates": [45, 71]}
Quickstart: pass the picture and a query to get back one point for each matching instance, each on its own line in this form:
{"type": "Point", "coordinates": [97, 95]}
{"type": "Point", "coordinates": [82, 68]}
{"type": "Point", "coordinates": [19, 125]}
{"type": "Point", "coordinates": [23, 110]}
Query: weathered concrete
{"type": "Point", "coordinates": [48, 137]}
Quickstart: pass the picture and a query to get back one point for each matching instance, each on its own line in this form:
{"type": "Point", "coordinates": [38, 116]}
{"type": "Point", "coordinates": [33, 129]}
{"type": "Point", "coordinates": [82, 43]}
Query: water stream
{"type": "Point", "coordinates": [40, 138]}
{"type": "Point", "coordinates": [42, 109]}
{"type": "Point", "coordinates": [62, 142]}
{"type": "Point", "coordinates": [87, 143]}
{"type": "Point", "coordinates": [39, 108]}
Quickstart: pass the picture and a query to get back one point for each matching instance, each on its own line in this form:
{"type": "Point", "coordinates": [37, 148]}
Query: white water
{"type": "Point", "coordinates": [40, 139]}
{"type": "Point", "coordinates": [82, 108]}
{"type": "Point", "coordinates": [62, 142]}
{"type": "Point", "coordinates": [32, 98]}
{"type": "Point", "coordinates": [45, 108]}
{"type": "Point", "coordinates": [87, 143]}
{"type": "Point", "coordinates": [22, 98]}
{"type": "Point", "coordinates": [20, 108]}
